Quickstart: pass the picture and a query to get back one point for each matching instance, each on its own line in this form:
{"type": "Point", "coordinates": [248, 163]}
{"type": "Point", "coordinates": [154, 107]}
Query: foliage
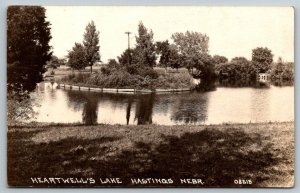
{"type": "Point", "coordinates": [19, 107]}
{"type": "Point", "coordinates": [130, 55]}
{"type": "Point", "coordinates": [176, 60]}
{"type": "Point", "coordinates": [190, 44]}
{"type": "Point", "coordinates": [204, 64]}
{"type": "Point", "coordinates": [28, 50]}
{"type": "Point", "coordinates": [145, 48]}
{"type": "Point", "coordinates": [112, 63]}
{"type": "Point", "coordinates": [118, 79]}
{"type": "Point", "coordinates": [121, 78]}
{"type": "Point", "coordinates": [75, 78]}
{"type": "Point", "coordinates": [91, 44]}
{"type": "Point", "coordinates": [262, 59]}
{"type": "Point", "coordinates": [163, 48]}
{"type": "Point", "coordinates": [53, 62]}
{"type": "Point", "coordinates": [174, 81]}
{"type": "Point", "coordinates": [193, 48]}
{"type": "Point", "coordinates": [142, 70]}
{"type": "Point", "coordinates": [77, 58]}
{"type": "Point", "coordinates": [219, 59]}
{"type": "Point", "coordinates": [237, 68]}
{"type": "Point", "coordinates": [240, 60]}
{"type": "Point", "coordinates": [284, 71]}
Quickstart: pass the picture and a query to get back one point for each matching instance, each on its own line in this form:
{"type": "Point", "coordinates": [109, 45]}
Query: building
{"type": "Point", "coordinates": [264, 77]}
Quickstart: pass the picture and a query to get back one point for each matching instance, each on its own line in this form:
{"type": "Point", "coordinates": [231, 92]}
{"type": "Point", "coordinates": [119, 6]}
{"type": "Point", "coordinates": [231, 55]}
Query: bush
{"type": "Point", "coordinates": [134, 76]}
{"type": "Point", "coordinates": [142, 70]}
{"type": "Point", "coordinates": [76, 78]}
{"type": "Point", "coordinates": [178, 80]}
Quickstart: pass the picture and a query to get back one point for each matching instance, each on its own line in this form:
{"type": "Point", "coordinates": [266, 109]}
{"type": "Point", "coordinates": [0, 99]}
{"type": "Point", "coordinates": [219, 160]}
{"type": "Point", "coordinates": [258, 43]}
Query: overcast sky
{"type": "Point", "coordinates": [232, 31]}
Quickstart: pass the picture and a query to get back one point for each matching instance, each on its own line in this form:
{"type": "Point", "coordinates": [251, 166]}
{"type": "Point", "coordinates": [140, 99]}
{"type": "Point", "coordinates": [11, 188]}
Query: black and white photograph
{"type": "Point", "coordinates": [150, 96]}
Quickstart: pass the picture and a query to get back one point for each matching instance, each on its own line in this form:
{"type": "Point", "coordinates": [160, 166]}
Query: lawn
{"type": "Point", "coordinates": [219, 155]}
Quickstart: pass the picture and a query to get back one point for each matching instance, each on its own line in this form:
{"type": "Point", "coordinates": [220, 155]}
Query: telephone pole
{"type": "Point", "coordinates": [128, 33]}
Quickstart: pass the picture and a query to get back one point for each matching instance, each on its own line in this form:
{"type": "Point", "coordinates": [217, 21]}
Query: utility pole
{"type": "Point", "coordinates": [128, 33]}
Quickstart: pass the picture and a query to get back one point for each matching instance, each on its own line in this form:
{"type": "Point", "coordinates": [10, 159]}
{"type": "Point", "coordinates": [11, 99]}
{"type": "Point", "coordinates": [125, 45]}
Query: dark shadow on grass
{"type": "Point", "coordinates": [217, 157]}
{"type": "Point", "coordinates": [55, 159]}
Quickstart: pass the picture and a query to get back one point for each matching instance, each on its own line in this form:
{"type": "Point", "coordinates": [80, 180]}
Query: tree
{"type": "Point", "coordinates": [191, 45]}
{"type": "Point", "coordinates": [90, 42]}
{"type": "Point", "coordinates": [145, 48]}
{"type": "Point", "coordinates": [53, 62]}
{"type": "Point", "coordinates": [204, 64]}
{"type": "Point", "coordinates": [28, 50]}
{"type": "Point", "coordinates": [262, 59]}
{"type": "Point", "coordinates": [163, 48]}
{"type": "Point", "coordinates": [219, 59]}
{"type": "Point", "coordinates": [279, 67]}
{"type": "Point", "coordinates": [123, 59]}
{"type": "Point", "coordinates": [239, 68]}
{"type": "Point", "coordinates": [240, 60]}
{"type": "Point", "coordinates": [175, 59]}
{"type": "Point", "coordinates": [77, 58]}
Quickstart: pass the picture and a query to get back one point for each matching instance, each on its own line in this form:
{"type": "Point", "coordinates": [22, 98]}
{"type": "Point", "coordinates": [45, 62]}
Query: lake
{"type": "Point", "coordinates": [223, 105]}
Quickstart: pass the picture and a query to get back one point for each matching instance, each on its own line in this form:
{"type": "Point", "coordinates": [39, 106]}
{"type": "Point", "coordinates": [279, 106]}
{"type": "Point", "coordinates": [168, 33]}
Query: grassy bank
{"type": "Point", "coordinates": [143, 79]}
{"type": "Point", "coordinates": [217, 154]}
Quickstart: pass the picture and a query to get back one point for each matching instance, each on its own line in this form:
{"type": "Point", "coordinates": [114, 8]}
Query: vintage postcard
{"type": "Point", "coordinates": [150, 96]}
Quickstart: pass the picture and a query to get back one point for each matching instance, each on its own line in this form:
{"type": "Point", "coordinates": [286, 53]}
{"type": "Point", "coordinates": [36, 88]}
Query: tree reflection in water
{"type": "Point", "coordinates": [90, 105]}
{"type": "Point", "coordinates": [144, 109]}
{"type": "Point", "coordinates": [190, 108]}
{"type": "Point", "coordinates": [128, 110]}
{"type": "Point", "coordinates": [90, 111]}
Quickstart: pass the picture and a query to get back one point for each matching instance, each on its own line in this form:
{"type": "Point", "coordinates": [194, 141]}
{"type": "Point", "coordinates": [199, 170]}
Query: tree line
{"type": "Point", "coordinates": [187, 50]}
{"type": "Point", "coordinates": [28, 52]}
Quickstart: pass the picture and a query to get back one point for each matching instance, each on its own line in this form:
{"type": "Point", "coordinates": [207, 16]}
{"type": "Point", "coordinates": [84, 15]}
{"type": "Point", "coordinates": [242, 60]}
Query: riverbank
{"type": "Point", "coordinates": [262, 154]}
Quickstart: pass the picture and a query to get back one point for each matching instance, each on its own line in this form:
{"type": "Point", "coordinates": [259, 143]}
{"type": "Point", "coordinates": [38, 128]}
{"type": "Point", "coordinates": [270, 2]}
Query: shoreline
{"type": "Point", "coordinates": [119, 90]}
{"type": "Point", "coordinates": [50, 124]}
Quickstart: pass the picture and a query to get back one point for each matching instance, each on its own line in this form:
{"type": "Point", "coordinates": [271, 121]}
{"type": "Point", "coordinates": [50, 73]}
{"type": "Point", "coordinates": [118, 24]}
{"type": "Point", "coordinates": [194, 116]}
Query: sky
{"type": "Point", "coordinates": [232, 31]}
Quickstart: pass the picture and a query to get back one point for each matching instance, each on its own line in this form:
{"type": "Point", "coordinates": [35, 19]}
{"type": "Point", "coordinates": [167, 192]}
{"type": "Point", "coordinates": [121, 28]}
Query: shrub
{"type": "Point", "coordinates": [142, 70]}
{"type": "Point", "coordinates": [178, 80]}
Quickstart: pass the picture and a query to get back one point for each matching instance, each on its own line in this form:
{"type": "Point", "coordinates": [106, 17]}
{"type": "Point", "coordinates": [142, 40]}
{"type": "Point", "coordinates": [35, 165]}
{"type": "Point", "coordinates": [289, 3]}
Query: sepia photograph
{"type": "Point", "coordinates": [150, 96]}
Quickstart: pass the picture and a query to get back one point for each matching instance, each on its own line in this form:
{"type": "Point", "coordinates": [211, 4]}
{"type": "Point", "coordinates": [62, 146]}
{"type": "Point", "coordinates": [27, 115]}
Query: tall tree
{"type": "Point", "coordinates": [144, 46]}
{"type": "Point", "coordinates": [28, 50]}
{"type": "Point", "coordinates": [262, 59]}
{"type": "Point", "coordinates": [91, 44]}
{"type": "Point", "coordinates": [77, 58]}
{"type": "Point", "coordinates": [191, 45]}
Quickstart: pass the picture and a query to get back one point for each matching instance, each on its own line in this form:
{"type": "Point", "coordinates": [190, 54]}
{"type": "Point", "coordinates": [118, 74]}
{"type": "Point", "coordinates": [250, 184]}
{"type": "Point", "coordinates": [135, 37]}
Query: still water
{"type": "Point", "coordinates": [223, 105]}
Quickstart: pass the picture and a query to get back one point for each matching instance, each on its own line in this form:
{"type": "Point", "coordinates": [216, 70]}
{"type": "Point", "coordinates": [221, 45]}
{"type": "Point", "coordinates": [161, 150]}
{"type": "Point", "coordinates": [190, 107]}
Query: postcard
{"type": "Point", "coordinates": [150, 96]}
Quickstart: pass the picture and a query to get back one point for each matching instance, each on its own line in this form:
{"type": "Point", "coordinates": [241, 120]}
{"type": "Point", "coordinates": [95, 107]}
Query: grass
{"type": "Point", "coordinates": [218, 154]}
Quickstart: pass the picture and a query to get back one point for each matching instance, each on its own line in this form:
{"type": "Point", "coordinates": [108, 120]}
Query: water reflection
{"type": "Point", "coordinates": [144, 108]}
{"type": "Point", "coordinates": [90, 111]}
{"type": "Point", "coordinates": [225, 104]}
{"type": "Point", "coordinates": [247, 82]}
{"type": "Point", "coordinates": [128, 109]}
{"type": "Point", "coordinates": [190, 108]}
